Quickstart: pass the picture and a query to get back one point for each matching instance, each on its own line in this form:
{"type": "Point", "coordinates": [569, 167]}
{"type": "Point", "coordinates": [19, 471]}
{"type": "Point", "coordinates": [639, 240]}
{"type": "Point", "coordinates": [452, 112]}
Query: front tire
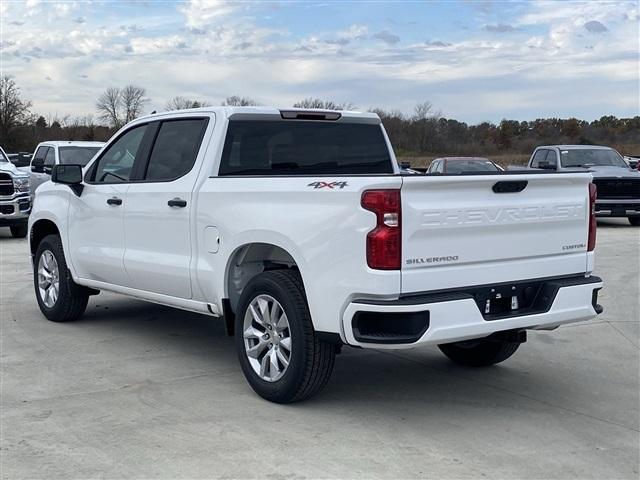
{"type": "Point", "coordinates": [59, 297]}
{"type": "Point", "coordinates": [19, 231]}
{"type": "Point", "coordinates": [281, 355]}
{"type": "Point", "coordinates": [481, 352]}
{"type": "Point", "coordinates": [635, 221]}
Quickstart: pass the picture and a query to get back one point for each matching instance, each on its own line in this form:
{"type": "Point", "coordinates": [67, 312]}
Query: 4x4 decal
{"type": "Point", "coordinates": [330, 185]}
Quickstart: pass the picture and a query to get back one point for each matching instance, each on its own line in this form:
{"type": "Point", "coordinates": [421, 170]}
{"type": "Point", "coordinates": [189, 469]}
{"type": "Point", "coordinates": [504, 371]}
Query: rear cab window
{"type": "Point", "coordinates": [299, 147]}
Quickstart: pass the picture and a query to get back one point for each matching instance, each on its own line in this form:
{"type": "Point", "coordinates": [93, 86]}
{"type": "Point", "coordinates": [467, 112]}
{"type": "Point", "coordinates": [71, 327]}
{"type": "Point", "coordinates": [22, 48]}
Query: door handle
{"type": "Point", "coordinates": [177, 202]}
{"type": "Point", "coordinates": [114, 201]}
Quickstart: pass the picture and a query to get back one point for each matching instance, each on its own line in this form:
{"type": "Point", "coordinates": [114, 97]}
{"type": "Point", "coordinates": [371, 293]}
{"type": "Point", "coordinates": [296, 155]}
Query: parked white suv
{"type": "Point", "coordinates": [48, 154]}
{"type": "Point", "coordinates": [298, 228]}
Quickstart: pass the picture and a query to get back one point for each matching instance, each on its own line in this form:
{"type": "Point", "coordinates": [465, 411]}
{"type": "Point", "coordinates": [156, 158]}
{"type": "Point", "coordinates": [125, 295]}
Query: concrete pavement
{"type": "Point", "coordinates": [135, 390]}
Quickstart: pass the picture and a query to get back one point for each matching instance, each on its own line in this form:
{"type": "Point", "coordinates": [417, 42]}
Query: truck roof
{"type": "Point", "coordinates": [258, 111]}
{"type": "Point", "coordinates": [576, 147]}
{"type": "Point", "coordinates": [71, 143]}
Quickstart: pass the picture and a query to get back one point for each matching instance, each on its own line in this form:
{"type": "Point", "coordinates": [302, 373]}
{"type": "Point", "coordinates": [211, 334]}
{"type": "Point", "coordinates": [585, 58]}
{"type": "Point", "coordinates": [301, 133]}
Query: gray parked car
{"type": "Point", "coordinates": [618, 184]}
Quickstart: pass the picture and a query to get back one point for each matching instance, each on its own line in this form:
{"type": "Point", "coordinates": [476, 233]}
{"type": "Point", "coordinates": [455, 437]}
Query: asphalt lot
{"type": "Point", "coordinates": [136, 390]}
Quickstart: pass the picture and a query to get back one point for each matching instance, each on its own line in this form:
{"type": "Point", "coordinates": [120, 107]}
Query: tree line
{"type": "Point", "coordinates": [423, 133]}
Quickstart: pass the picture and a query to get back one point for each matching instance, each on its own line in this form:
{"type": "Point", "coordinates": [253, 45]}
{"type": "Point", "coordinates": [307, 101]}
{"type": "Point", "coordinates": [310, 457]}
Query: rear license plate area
{"type": "Point", "coordinates": [507, 300]}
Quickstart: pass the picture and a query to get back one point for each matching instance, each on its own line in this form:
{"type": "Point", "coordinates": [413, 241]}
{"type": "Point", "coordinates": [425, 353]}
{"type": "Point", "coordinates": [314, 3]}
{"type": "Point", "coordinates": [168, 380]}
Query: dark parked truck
{"type": "Point", "coordinates": [618, 184]}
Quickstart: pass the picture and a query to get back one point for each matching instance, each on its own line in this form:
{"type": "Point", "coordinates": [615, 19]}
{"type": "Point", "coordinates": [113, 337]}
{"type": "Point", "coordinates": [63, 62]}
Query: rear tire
{"type": "Point", "coordinates": [59, 297]}
{"type": "Point", "coordinates": [479, 353]}
{"type": "Point", "coordinates": [299, 371]}
{"type": "Point", "coordinates": [635, 221]}
{"type": "Point", "coordinates": [19, 231]}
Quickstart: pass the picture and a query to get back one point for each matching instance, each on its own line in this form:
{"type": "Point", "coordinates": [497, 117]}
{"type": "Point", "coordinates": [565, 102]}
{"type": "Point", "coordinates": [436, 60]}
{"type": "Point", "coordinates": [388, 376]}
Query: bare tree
{"type": "Point", "coordinates": [108, 106]}
{"type": "Point", "coordinates": [237, 101]}
{"type": "Point", "coordinates": [132, 99]}
{"type": "Point", "coordinates": [324, 104]}
{"type": "Point", "coordinates": [182, 103]}
{"type": "Point", "coordinates": [425, 111]}
{"type": "Point", "coordinates": [119, 106]}
{"type": "Point", "coordinates": [13, 109]}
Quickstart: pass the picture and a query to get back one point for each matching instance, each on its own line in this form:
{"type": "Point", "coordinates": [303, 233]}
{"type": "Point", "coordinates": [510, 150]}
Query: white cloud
{"type": "Point", "coordinates": [200, 13]}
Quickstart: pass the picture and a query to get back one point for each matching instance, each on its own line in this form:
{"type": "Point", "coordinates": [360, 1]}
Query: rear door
{"type": "Point", "coordinates": [159, 206]}
{"type": "Point", "coordinates": [472, 230]}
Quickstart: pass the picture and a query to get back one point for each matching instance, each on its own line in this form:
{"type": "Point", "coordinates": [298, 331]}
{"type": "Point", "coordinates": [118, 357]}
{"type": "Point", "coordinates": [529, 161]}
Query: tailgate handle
{"type": "Point", "coordinates": [510, 186]}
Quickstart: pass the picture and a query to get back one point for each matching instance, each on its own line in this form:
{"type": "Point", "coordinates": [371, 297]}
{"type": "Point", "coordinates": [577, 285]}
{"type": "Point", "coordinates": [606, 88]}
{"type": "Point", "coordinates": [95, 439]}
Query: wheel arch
{"type": "Point", "coordinates": [250, 259]}
{"type": "Point", "coordinates": [40, 229]}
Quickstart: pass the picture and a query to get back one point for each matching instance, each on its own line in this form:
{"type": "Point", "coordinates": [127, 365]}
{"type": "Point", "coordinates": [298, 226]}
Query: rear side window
{"type": "Point", "coordinates": [175, 149]}
{"type": "Point", "coordinates": [304, 148]}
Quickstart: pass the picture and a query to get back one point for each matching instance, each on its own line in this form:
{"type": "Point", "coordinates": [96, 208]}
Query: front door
{"type": "Point", "coordinates": [159, 208]}
{"type": "Point", "coordinates": [96, 217]}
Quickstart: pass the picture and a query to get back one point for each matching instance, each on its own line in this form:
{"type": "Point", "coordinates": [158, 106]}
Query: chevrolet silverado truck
{"type": "Point", "coordinates": [15, 197]}
{"type": "Point", "coordinates": [617, 183]}
{"type": "Point", "coordinates": [298, 228]}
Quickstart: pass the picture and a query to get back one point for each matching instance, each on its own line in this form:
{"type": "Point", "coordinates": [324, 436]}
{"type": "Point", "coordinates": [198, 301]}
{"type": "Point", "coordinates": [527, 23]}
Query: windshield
{"type": "Point", "coordinates": [77, 155]}
{"type": "Point", "coordinates": [3, 157]}
{"type": "Point", "coordinates": [591, 156]}
{"type": "Point", "coordinates": [265, 147]}
{"type": "Point", "coordinates": [462, 166]}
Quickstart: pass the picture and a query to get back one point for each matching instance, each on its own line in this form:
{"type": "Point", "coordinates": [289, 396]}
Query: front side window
{"type": "Point", "coordinates": [49, 160]}
{"type": "Point", "coordinates": [41, 153]}
{"type": "Point", "coordinates": [538, 157]}
{"type": "Point", "coordinates": [273, 147]}
{"type": "Point", "coordinates": [585, 157]}
{"type": "Point", "coordinates": [116, 163]}
{"type": "Point", "coordinates": [77, 155]}
{"type": "Point", "coordinates": [175, 149]}
{"type": "Point", "coordinates": [552, 159]}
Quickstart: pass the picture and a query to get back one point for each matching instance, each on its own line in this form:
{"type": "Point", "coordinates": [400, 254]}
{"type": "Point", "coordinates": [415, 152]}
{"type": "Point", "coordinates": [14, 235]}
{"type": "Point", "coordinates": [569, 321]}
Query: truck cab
{"type": "Point", "coordinates": [48, 154]}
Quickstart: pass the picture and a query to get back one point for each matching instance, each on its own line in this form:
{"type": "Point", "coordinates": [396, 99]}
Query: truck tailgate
{"type": "Point", "coordinates": [470, 230]}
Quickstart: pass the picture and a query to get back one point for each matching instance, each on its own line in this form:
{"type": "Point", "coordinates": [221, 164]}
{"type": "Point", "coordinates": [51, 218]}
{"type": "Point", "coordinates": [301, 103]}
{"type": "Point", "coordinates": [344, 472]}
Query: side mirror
{"type": "Point", "coordinates": [68, 175]}
{"type": "Point", "coordinates": [37, 165]}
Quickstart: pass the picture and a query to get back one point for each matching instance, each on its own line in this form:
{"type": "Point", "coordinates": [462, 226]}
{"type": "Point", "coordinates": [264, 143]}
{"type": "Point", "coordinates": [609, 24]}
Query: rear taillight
{"type": "Point", "coordinates": [593, 193]}
{"type": "Point", "coordinates": [384, 241]}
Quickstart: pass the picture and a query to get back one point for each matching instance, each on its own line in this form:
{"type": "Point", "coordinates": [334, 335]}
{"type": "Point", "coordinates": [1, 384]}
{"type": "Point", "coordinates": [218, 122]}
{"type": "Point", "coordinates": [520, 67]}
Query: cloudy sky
{"type": "Point", "coordinates": [474, 61]}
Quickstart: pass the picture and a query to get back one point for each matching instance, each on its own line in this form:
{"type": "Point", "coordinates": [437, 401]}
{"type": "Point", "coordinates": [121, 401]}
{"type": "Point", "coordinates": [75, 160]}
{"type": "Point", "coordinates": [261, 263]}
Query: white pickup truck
{"type": "Point", "coordinates": [300, 230]}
